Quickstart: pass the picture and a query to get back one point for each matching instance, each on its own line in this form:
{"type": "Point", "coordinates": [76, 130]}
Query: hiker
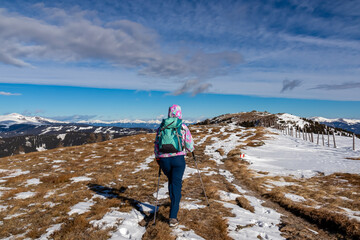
{"type": "Point", "coordinates": [171, 157]}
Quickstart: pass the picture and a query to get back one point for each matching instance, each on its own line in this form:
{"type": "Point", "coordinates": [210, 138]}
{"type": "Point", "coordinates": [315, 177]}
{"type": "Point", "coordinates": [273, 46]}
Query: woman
{"type": "Point", "coordinates": [172, 163]}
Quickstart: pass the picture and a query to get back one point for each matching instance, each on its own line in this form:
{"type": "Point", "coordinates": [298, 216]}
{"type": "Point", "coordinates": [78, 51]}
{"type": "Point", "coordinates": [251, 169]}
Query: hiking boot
{"type": "Point", "coordinates": [173, 222]}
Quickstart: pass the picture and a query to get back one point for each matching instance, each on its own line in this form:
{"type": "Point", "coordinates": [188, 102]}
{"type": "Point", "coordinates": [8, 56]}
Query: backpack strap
{"type": "Point", "coordinates": [162, 129]}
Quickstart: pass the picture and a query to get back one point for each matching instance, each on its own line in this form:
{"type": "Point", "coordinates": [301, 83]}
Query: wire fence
{"type": "Point", "coordinates": [319, 136]}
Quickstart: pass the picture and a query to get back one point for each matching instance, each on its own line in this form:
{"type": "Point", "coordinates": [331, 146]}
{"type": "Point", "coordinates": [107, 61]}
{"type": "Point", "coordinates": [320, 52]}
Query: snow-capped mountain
{"type": "Point", "coordinates": [15, 118]}
{"type": "Point", "coordinates": [22, 134]}
{"type": "Point", "coordinates": [12, 119]}
{"type": "Point", "coordinates": [352, 125]}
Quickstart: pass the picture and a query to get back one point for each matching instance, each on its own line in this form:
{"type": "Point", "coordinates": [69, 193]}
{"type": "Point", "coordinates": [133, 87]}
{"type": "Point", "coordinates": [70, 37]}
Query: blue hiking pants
{"type": "Point", "coordinates": [174, 168]}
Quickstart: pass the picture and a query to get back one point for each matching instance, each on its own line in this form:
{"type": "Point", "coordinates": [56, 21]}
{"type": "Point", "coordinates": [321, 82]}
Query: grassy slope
{"type": "Point", "coordinates": [110, 164]}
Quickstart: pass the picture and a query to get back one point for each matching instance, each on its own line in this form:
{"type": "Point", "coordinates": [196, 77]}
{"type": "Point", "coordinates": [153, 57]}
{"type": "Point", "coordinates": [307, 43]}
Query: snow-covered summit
{"type": "Point", "coordinates": [15, 118]}
{"type": "Point", "coordinates": [290, 119]}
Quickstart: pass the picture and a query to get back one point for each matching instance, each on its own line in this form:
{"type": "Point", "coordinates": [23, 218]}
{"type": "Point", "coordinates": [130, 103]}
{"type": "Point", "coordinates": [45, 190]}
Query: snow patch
{"type": "Point", "coordinates": [127, 224]}
{"type": "Point", "coordinates": [41, 148]}
{"type": "Point", "coordinates": [50, 231]}
{"type": "Point", "coordinates": [295, 198]}
{"type": "Point", "coordinates": [33, 181]}
{"type": "Point", "coordinates": [24, 195]}
{"type": "Point", "coordinates": [185, 235]}
{"type": "Point", "coordinates": [80, 179]}
{"type": "Point", "coordinates": [17, 172]}
{"type": "Point", "coordinates": [61, 136]}
{"type": "Point", "coordinates": [227, 196]}
{"type": "Point", "coordinates": [144, 165]}
{"type": "Point", "coordinates": [191, 205]}
{"type": "Point", "coordinates": [81, 207]}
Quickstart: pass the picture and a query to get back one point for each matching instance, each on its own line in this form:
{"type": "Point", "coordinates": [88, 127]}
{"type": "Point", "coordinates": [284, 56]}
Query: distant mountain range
{"type": "Point", "coordinates": [352, 125]}
{"type": "Point", "coordinates": [15, 119]}
{"type": "Point", "coordinates": [23, 134]}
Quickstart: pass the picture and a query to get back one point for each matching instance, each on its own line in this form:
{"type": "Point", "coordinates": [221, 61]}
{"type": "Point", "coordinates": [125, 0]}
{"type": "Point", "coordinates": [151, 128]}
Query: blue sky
{"type": "Point", "coordinates": [132, 59]}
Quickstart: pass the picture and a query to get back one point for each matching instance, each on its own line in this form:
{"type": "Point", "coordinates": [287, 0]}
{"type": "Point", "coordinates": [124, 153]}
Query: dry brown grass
{"type": "Point", "coordinates": [207, 222]}
{"type": "Point", "coordinates": [75, 161]}
{"type": "Point", "coordinates": [353, 158]}
{"type": "Point", "coordinates": [79, 228]}
{"type": "Point", "coordinates": [244, 203]}
{"type": "Point", "coordinates": [258, 138]}
{"type": "Point", "coordinates": [161, 231]}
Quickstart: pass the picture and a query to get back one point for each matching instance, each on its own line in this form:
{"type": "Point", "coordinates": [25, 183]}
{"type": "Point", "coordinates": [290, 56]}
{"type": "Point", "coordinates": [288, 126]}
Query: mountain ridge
{"type": "Point", "coordinates": [16, 118]}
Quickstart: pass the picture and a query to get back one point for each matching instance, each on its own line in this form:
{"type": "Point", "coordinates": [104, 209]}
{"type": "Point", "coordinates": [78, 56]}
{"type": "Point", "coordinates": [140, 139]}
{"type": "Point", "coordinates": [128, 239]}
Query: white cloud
{"type": "Point", "coordinates": [9, 94]}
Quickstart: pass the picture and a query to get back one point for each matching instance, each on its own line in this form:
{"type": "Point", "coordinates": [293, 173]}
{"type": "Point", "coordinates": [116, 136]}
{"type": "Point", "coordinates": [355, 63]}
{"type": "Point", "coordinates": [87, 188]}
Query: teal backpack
{"type": "Point", "coordinates": [170, 137]}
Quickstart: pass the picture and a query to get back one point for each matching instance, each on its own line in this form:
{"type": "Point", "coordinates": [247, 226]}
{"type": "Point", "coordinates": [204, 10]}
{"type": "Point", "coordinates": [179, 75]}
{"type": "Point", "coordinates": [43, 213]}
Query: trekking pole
{"type": "Point", "coordinates": [157, 194]}
{"type": "Point", "coordinates": [202, 184]}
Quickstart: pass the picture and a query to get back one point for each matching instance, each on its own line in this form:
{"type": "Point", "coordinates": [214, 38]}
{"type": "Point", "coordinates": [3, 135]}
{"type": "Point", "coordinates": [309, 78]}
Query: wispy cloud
{"type": "Point", "coordinates": [341, 86]}
{"type": "Point", "coordinates": [9, 94]}
{"type": "Point", "coordinates": [289, 85]}
{"type": "Point", "coordinates": [32, 112]}
{"type": "Point", "coordinates": [122, 43]}
{"type": "Point", "coordinates": [73, 118]}
{"type": "Point", "coordinates": [193, 86]}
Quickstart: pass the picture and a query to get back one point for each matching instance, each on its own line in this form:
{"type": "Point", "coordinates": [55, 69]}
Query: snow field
{"type": "Point", "coordinates": [285, 155]}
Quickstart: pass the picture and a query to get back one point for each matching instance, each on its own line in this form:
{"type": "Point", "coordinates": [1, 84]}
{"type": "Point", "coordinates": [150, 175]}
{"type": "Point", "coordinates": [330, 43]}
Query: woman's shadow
{"type": "Point", "coordinates": [146, 210]}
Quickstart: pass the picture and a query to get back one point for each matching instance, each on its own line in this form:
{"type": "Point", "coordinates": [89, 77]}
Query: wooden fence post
{"type": "Point", "coordinates": [334, 139]}
{"type": "Point", "coordinates": [322, 133]}
{"type": "Point", "coordinates": [312, 137]}
{"type": "Point", "coordinates": [354, 141]}
{"type": "Point", "coordinates": [305, 135]}
{"type": "Point", "coordinates": [328, 138]}
{"type": "Point", "coordinates": [302, 131]}
{"type": "Point", "coordinates": [318, 134]}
